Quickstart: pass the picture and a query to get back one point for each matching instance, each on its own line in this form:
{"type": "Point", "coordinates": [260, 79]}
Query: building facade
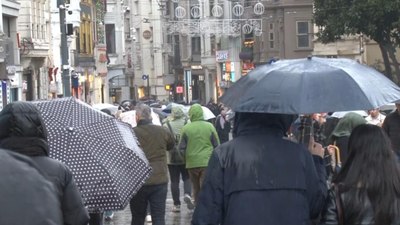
{"type": "Point", "coordinates": [10, 68]}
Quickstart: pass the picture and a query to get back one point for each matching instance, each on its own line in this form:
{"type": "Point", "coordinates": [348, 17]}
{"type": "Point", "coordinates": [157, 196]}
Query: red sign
{"type": "Point", "coordinates": [179, 89]}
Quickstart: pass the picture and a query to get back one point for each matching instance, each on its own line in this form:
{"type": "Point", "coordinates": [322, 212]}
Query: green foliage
{"type": "Point", "coordinates": [377, 19]}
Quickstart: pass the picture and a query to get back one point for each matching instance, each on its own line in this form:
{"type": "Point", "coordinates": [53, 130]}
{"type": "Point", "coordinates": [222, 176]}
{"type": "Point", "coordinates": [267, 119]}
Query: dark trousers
{"type": "Point", "coordinates": [156, 196]}
{"type": "Point", "coordinates": [197, 176]}
{"type": "Point", "coordinates": [96, 219]}
{"type": "Point", "coordinates": [175, 171]}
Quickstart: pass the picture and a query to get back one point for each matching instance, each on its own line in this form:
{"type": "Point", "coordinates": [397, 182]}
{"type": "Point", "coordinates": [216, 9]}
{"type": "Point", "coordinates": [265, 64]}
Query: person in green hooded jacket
{"type": "Point", "coordinates": [341, 134]}
{"type": "Point", "coordinates": [198, 140]}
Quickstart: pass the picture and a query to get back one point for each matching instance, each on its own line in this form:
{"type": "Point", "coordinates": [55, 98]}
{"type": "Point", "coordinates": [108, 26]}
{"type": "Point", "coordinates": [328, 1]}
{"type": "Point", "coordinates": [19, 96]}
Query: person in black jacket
{"type": "Point", "coordinates": [222, 126]}
{"type": "Point", "coordinates": [368, 185]}
{"type": "Point", "coordinates": [260, 177]}
{"type": "Point", "coordinates": [22, 130]}
{"type": "Point", "coordinates": [27, 197]}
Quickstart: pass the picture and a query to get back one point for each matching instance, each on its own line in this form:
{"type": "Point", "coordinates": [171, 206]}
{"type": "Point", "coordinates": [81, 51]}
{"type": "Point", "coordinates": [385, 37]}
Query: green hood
{"type": "Point", "coordinates": [347, 124]}
{"type": "Point", "coordinates": [177, 112]}
{"type": "Point", "coordinates": [196, 113]}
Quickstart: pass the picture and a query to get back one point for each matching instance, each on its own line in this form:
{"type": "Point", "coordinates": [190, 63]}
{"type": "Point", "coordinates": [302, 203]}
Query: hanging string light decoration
{"type": "Point", "coordinates": [238, 10]}
{"type": "Point", "coordinates": [259, 8]}
{"type": "Point", "coordinates": [195, 12]}
{"type": "Point", "coordinates": [217, 11]}
{"type": "Point", "coordinates": [180, 12]}
{"type": "Point", "coordinates": [198, 24]}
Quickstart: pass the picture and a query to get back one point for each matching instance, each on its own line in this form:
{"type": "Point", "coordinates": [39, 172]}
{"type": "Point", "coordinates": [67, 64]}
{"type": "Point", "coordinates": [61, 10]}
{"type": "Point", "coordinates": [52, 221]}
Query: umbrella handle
{"type": "Point", "coordinates": [337, 156]}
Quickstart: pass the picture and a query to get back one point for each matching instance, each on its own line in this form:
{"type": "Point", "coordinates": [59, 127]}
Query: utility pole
{"type": "Point", "coordinates": [64, 50]}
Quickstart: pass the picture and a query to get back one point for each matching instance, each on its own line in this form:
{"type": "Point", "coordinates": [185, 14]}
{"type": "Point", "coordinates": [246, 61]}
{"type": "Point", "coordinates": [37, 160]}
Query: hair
{"type": "Point", "coordinates": [371, 173]}
{"type": "Point", "coordinates": [143, 111]}
{"type": "Point", "coordinates": [106, 111]}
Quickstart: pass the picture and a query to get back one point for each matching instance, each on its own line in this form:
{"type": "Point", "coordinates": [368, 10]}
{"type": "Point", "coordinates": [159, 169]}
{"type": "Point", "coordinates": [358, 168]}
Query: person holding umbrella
{"type": "Point", "coordinates": [260, 177]}
{"type": "Point", "coordinates": [27, 197]}
{"type": "Point", "coordinates": [23, 131]}
{"type": "Point", "coordinates": [155, 142]}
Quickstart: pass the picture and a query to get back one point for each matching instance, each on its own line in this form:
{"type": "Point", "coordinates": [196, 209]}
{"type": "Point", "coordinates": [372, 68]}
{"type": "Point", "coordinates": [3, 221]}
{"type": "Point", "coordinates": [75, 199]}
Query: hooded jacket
{"type": "Point", "coordinates": [23, 131]}
{"type": "Point", "coordinates": [261, 178]}
{"type": "Point", "coordinates": [340, 135]}
{"type": "Point", "coordinates": [198, 139]}
{"type": "Point", "coordinates": [27, 197]}
{"type": "Point", "coordinates": [174, 123]}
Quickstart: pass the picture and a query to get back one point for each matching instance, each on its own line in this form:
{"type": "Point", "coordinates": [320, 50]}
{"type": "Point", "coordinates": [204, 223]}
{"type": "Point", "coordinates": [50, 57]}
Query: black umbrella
{"type": "Point", "coordinates": [311, 85]}
{"type": "Point", "coordinates": [108, 166]}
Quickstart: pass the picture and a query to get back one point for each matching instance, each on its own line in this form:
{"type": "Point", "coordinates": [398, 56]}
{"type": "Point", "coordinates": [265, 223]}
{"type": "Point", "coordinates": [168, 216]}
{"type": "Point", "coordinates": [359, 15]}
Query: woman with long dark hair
{"type": "Point", "coordinates": [367, 189]}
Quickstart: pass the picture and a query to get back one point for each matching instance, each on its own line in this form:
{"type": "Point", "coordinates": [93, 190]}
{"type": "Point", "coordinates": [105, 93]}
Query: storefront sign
{"type": "Point", "coordinates": [179, 89]}
{"type": "Point", "coordinates": [221, 56]}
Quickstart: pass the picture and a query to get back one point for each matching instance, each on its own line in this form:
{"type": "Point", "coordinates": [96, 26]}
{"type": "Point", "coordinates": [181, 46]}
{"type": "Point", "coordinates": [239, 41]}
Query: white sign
{"type": "Point", "coordinates": [221, 56]}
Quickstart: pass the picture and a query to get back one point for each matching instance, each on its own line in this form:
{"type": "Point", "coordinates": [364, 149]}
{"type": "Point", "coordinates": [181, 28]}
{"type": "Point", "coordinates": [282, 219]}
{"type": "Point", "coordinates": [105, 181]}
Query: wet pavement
{"type": "Point", "coordinates": [171, 218]}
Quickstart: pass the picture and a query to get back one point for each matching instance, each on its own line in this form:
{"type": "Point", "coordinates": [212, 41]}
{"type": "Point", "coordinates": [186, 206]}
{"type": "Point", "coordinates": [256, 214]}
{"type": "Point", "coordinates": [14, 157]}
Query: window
{"type": "Point", "coordinates": [196, 45]}
{"type": "Point", "coordinates": [85, 36]}
{"type": "Point", "coordinates": [303, 34]}
{"type": "Point", "coordinates": [110, 38]}
{"type": "Point", "coordinates": [271, 36]}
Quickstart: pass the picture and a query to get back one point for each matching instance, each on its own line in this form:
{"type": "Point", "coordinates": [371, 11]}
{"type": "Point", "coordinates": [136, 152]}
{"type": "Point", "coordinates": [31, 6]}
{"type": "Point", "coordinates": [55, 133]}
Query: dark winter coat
{"type": "Point", "coordinates": [223, 133]}
{"type": "Point", "coordinates": [22, 130]}
{"type": "Point", "coordinates": [155, 142]}
{"type": "Point", "coordinates": [27, 197]}
{"type": "Point", "coordinates": [330, 213]}
{"type": "Point", "coordinates": [391, 126]}
{"type": "Point", "coordinates": [261, 178]}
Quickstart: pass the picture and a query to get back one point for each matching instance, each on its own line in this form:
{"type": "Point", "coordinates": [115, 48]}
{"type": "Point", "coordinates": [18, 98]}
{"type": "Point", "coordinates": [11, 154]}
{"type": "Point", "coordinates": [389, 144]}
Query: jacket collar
{"type": "Point", "coordinates": [144, 122]}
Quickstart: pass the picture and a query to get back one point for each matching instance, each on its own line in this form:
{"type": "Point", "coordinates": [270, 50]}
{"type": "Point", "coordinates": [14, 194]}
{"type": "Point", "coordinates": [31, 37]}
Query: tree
{"type": "Point", "coordinates": [378, 20]}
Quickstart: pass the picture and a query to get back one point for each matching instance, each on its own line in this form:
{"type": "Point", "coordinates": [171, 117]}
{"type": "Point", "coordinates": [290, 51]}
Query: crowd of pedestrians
{"type": "Point", "coordinates": [252, 169]}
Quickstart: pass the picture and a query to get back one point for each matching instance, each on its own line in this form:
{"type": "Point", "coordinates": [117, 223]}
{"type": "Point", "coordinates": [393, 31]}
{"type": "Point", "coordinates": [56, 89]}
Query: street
{"type": "Point", "coordinates": [182, 218]}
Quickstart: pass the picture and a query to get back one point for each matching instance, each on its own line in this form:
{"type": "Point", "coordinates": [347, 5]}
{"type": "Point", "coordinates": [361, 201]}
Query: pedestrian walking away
{"type": "Point", "coordinates": [176, 160]}
{"type": "Point", "coordinates": [260, 177]}
{"type": "Point", "coordinates": [155, 141]}
{"type": "Point", "coordinates": [23, 131]}
{"type": "Point", "coordinates": [367, 188]}
{"type": "Point", "coordinates": [391, 126]}
{"type": "Point", "coordinates": [27, 197]}
{"type": "Point", "coordinates": [198, 140]}
{"type": "Point", "coordinates": [223, 126]}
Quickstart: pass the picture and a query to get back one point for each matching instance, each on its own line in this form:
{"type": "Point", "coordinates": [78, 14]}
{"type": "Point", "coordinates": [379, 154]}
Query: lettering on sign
{"type": "Point", "coordinates": [221, 56]}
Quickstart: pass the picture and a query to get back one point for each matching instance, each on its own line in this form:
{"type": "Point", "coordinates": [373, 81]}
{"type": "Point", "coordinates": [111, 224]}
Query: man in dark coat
{"type": "Point", "coordinates": [23, 131]}
{"type": "Point", "coordinates": [261, 178]}
{"type": "Point", "coordinates": [391, 125]}
{"type": "Point", "coordinates": [155, 142]}
{"type": "Point", "coordinates": [27, 197]}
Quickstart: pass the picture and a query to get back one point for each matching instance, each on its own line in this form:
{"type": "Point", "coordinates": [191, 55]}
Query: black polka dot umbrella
{"type": "Point", "coordinates": [103, 154]}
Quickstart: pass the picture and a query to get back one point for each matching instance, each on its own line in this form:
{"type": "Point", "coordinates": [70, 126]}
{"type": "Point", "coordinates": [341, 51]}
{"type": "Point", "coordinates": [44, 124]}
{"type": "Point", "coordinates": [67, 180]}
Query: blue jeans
{"type": "Point", "coordinates": [156, 196]}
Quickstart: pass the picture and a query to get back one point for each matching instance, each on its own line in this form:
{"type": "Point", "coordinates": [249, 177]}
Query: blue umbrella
{"type": "Point", "coordinates": [310, 85]}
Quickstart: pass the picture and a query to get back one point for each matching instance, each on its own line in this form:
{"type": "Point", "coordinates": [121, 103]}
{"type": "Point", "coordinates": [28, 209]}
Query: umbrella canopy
{"type": "Point", "coordinates": [113, 108]}
{"type": "Point", "coordinates": [130, 118]}
{"type": "Point", "coordinates": [102, 153]}
{"type": "Point", "coordinates": [207, 113]}
{"type": "Point", "coordinates": [311, 85]}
